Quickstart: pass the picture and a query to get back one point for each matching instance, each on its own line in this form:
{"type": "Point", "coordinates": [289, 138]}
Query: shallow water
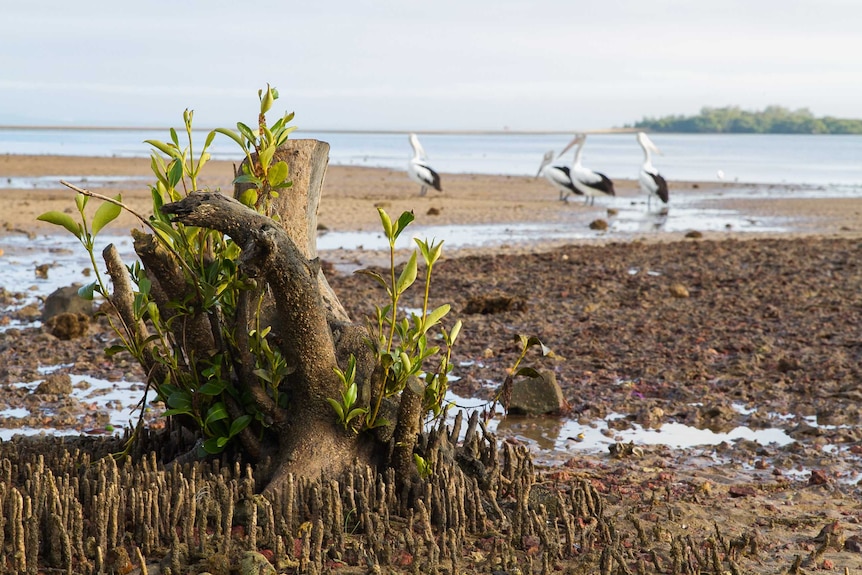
{"type": "Point", "coordinates": [119, 399]}
{"type": "Point", "coordinates": [52, 182]}
{"type": "Point", "coordinates": [756, 158]}
{"type": "Point", "coordinates": [555, 439]}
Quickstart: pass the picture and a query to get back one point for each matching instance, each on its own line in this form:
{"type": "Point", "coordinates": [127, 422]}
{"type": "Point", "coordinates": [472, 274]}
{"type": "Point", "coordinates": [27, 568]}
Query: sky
{"type": "Point", "coordinates": [444, 65]}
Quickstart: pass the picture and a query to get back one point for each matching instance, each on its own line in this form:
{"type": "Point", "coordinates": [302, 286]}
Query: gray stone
{"type": "Point", "coordinates": [537, 395]}
{"type": "Point", "coordinates": [66, 300]}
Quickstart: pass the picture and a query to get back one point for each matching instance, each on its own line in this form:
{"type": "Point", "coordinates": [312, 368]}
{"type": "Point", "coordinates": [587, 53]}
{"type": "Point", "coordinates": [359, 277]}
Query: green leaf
{"type": "Point", "coordinates": [247, 179]}
{"type": "Point", "coordinates": [212, 388]}
{"type": "Point", "coordinates": [209, 140]}
{"type": "Point", "coordinates": [375, 276]}
{"type": "Point", "coordinates": [453, 335]}
{"type": "Point", "coordinates": [230, 134]}
{"type": "Point", "coordinates": [408, 274]}
{"type": "Point", "coordinates": [113, 350]}
{"type": "Point", "coordinates": [355, 413]}
{"type": "Point", "coordinates": [277, 173]}
{"type": "Point", "coordinates": [266, 101]}
{"type": "Point", "coordinates": [436, 315]}
{"type": "Point", "coordinates": [527, 372]}
{"type": "Point", "coordinates": [216, 412]}
{"type": "Point", "coordinates": [337, 407]}
{"type": "Point", "coordinates": [180, 400]}
{"type": "Point", "coordinates": [350, 395]}
{"type": "Point", "coordinates": [403, 221]}
{"type": "Point", "coordinates": [266, 156]}
{"type": "Point", "coordinates": [239, 424]}
{"type": "Point", "coordinates": [175, 173]}
{"type": "Point", "coordinates": [164, 148]}
{"type": "Point", "coordinates": [61, 219]}
{"type": "Point", "coordinates": [246, 132]}
{"type": "Point", "coordinates": [387, 223]}
{"type": "Point", "coordinates": [249, 197]}
{"type": "Point", "coordinates": [106, 213]}
{"type": "Point", "coordinates": [86, 291]}
{"type": "Point", "coordinates": [81, 201]}
{"type": "Point", "coordinates": [212, 445]}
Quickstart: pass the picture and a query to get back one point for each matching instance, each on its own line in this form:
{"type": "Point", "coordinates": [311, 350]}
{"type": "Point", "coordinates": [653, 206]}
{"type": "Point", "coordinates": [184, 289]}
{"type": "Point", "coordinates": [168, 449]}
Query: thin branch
{"type": "Point", "coordinates": [110, 200]}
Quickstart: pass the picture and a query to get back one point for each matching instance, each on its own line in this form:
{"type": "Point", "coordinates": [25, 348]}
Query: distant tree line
{"type": "Point", "coordinates": [734, 120]}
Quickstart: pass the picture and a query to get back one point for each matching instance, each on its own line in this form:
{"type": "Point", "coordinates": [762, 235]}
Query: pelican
{"type": "Point", "coordinates": [650, 180]}
{"type": "Point", "coordinates": [558, 176]}
{"type": "Point", "coordinates": [419, 170]}
{"type": "Point", "coordinates": [586, 181]}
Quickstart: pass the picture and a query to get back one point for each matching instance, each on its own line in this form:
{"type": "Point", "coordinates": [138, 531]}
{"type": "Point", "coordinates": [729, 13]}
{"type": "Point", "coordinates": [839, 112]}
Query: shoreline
{"type": "Point", "coordinates": [351, 195]}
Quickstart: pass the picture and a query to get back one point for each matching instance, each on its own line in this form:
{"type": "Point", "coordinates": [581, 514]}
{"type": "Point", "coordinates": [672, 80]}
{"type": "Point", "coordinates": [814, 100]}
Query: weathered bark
{"type": "Point", "coordinates": [309, 325]}
{"type": "Point", "coordinates": [309, 440]}
{"type": "Point", "coordinates": [297, 206]}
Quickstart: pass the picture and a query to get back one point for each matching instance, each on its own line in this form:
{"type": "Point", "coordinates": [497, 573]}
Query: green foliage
{"type": "Point", "coordinates": [345, 410]}
{"type": "Point", "coordinates": [200, 389]}
{"type": "Point", "coordinates": [86, 233]}
{"type": "Point", "coordinates": [401, 344]}
{"type": "Point", "coordinates": [422, 466]}
{"type": "Point", "coordinates": [732, 119]}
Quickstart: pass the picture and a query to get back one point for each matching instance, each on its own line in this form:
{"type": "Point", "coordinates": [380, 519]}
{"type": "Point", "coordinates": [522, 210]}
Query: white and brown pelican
{"type": "Point", "coordinates": [558, 176]}
{"type": "Point", "coordinates": [419, 170]}
{"type": "Point", "coordinates": [650, 180]}
{"type": "Point", "coordinates": [591, 184]}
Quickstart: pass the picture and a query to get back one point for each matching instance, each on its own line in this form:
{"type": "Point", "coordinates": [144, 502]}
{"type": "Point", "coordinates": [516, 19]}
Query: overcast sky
{"type": "Point", "coordinates": [403, 65]}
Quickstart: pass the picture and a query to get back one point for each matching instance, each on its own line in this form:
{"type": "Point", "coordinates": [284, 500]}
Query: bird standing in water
{"type": "Point", "coordinates": [419, 170]}
{"type": "Point", "coordinates": [591, 184]}
{"type": "Point", "coordinates": [650, 180]}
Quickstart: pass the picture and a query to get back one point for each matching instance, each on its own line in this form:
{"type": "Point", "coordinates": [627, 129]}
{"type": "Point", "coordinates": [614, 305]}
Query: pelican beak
{"type": "Point", "coordinates": [547, 159]}
{"type": "Point", "coordinates": [573, 143]}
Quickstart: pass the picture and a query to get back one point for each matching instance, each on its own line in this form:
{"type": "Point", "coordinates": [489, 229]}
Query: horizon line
{"type": "Point", "coordinates": [10, 127]}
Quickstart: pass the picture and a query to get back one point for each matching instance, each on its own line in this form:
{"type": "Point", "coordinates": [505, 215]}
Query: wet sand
{"type": "Point", "coordinates": [352, 193]}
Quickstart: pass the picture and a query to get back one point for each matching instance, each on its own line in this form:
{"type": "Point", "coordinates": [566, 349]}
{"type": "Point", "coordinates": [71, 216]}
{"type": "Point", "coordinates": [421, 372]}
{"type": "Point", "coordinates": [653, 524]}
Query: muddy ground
{"type": "Point", "coordinates": [762, 333]}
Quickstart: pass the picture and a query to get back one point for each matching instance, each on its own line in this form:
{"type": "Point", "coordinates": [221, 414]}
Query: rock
{"type": "Point", "coordinates": [678, 291]}
{"type": "Point", "coordinates": [55, 384]}
{"type": "Point", "coordinates": [620, 450]}
{"type": "Point", "coordinates": [66, 300]}
{"type": "Point", "coordinates": [495, 303]}
{"type": "Point", "coordinates": [537, 395]}
{"type": "Point", "coordinates": [694, 234]}
{"type": "Point", "coordinates": [599, 224]}
{"type": "Point", "coordinates": [118, 561]}
{"type": "Point", "coordinates": [253, 563]}
{"type": "Point", "coordinates": [42, 271]}
{"type": "Point", "coordinates": [68, 326]}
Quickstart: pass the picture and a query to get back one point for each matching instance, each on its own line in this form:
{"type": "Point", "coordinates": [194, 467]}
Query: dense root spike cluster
{"type": "Point", "coordinates": [69, 509]}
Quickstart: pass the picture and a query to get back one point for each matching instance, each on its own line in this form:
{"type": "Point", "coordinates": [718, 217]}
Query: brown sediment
{"type": "Point", "coordinates": [770, 322]}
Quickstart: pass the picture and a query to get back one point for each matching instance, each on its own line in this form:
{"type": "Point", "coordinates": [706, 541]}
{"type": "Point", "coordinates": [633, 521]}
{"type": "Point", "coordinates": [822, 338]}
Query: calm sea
{"type": "Point", "coordinates": [788, 159]}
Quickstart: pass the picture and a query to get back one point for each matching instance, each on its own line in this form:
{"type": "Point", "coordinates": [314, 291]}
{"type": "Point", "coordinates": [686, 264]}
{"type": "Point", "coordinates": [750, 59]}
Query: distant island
{"type": "Point", "coordinates": [734, 120]}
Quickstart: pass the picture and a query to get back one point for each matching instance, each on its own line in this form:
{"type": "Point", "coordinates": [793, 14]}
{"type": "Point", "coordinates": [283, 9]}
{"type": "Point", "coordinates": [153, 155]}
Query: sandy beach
{"type": "Point", "coordinates": [351, 194]}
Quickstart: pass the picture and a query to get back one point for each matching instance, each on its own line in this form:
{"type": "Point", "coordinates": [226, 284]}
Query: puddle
{"type": "Point", "coordinates": [556, 439]}
{"type": "Point", "coordinates": [105, 407]}
{"type": "Point", "coordinates": [628, 221]}
{"type": "Point", "coordinates": [65, 259]}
